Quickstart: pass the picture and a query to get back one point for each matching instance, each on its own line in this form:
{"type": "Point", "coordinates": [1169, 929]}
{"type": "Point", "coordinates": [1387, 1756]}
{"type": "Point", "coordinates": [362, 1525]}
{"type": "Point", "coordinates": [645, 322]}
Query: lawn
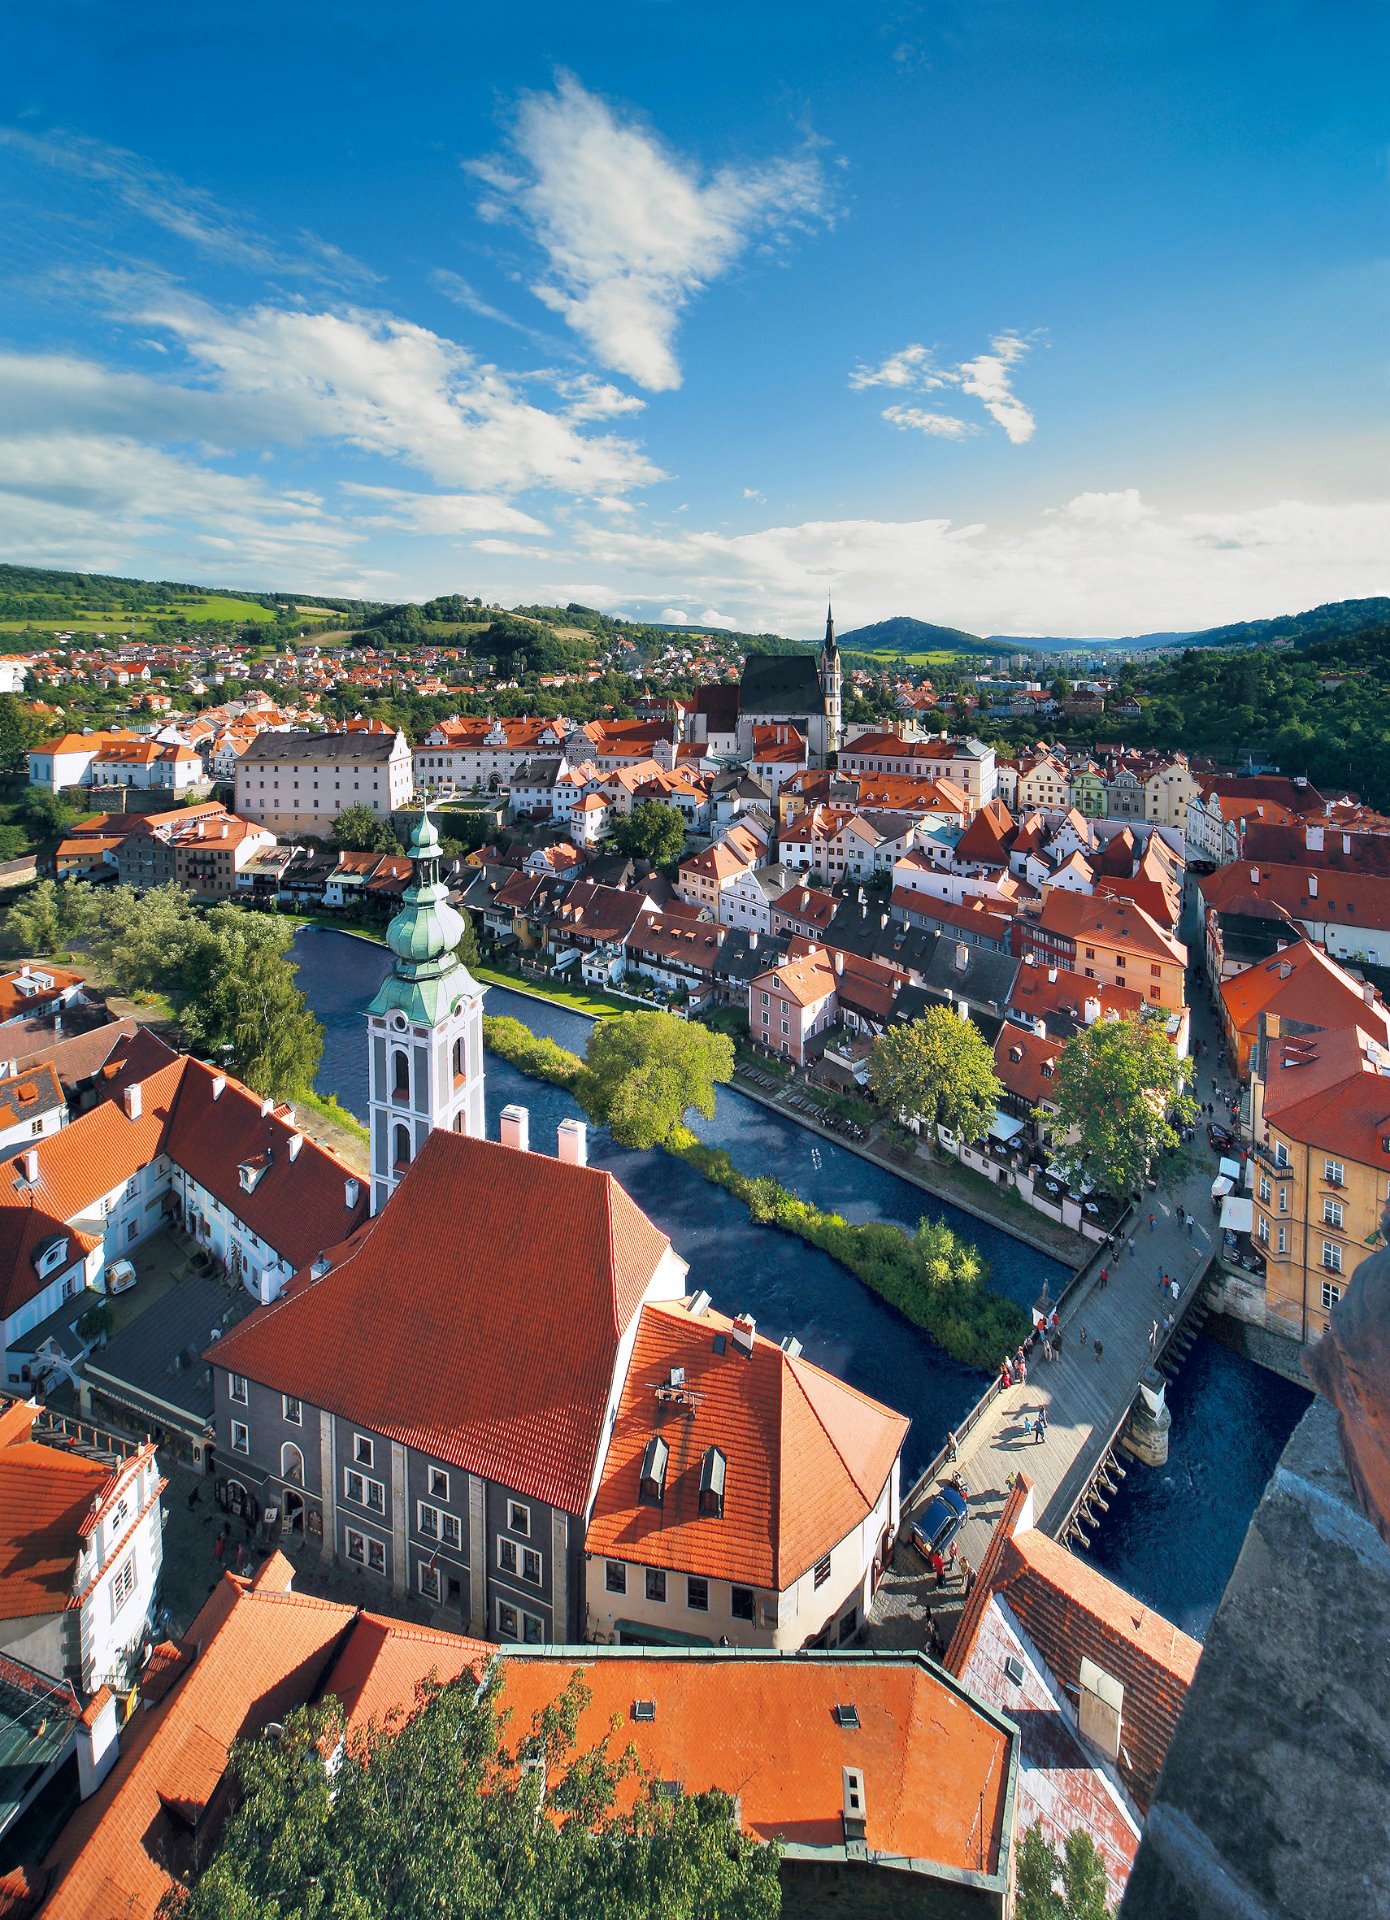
{"type": "Point", "coordinates": [194, 606]}
{"type": "Point", "coordinates": [934, 657]}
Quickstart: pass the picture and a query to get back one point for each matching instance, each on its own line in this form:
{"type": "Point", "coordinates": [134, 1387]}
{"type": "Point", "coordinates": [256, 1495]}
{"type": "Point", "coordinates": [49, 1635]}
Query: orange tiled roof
{"type": "Point", "coordinates": [1113, 923]}
{"type": "Point", "coordinates": [517, 1243]}
{"type": "Point", "coordinates": [807, 1457]}
{"type": "Point", "coordinates": [45, 1496]}
{"type": "Point", "coordinates": [1301, 983]}
{"type": "Point", "coordinates": [807, 981]}
{"type": "Point", "coordinates": [1027, 1063]}
{"type": "Point", "coordinates": [1331, 1091]}
{"type": "Point", "coordinates": [13, 1003]}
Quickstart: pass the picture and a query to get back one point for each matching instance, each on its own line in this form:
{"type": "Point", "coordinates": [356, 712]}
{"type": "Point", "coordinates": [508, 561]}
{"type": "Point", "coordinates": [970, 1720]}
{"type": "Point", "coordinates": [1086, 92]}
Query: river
{"type": "Point", "coordinates": [1171, 1538]}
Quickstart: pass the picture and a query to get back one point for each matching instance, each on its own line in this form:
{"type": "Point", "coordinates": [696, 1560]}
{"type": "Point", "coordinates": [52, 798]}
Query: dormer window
{"type": "Point", "coordinates": [651, 1490]}
{"type": "Point", "coordinates": [712, 1470]}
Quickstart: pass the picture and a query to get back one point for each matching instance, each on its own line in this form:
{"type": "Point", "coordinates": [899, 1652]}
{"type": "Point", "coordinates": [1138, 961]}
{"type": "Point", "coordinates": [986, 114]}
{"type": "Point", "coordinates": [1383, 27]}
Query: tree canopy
{"type": "Point", "coordinates": [49, 917]}
{"type": "Point", "coordinates": [939, 1068]}
{"type": "Point", "coordinates": [1070, 1885]}
{"type": "Point", "coordinates": [1121, 1097]}
{"type": "Point", "coordinates": [241, 1004]}
{"type": "Point", "coordinates": [645, 1071]}
{"type": "Point", "coordinates": [652, 831]}
{"type": "Point", "coordinates": [359, 830]}
{"type": "Point", "coordinates": [19, 730]}
{"type": "Point", "coordinates": [452, 1813]}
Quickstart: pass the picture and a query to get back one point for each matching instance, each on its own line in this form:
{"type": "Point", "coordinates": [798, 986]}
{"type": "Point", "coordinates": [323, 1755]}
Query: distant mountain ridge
{"type": "Point", "coordinates": [904, 634]}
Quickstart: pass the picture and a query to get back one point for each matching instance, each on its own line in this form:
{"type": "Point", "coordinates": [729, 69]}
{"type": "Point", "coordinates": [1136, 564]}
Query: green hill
{"type": "Point", "coordinates": [1339, 620]}
{"type": "Point", "coordinates": [911, 639]}
{"type": "Point", "coordinates": [40, 601]}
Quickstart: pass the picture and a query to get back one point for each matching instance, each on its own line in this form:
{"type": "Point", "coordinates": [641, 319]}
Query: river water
{"type": "Point", "coordinates": [1171, 1538]}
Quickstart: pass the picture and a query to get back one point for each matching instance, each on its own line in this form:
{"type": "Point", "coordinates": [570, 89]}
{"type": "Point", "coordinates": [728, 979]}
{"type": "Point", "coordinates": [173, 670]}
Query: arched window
{"type": "Point", "coordinates": [401, 1137]}
{"type": "Point", "coordinates": [460, 1060]}
{"type": "Point", "coordinates": [292, 1464]}
{"type": "Point", "coordinates": [400, 1074]}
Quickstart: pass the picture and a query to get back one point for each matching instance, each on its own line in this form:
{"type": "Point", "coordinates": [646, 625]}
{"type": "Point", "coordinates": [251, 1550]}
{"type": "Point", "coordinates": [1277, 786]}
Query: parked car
{"type": "Point", "coordinates": [1220, 1139]}
{"type": "Point", "coordinates": [938, 1526]}
{"type": "Point", "coordinates": [121, 1276]}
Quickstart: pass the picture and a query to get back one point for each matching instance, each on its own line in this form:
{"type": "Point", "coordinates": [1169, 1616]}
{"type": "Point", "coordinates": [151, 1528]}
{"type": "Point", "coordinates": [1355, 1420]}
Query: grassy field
{"type": "Point", "coordinates": [889, 657]}
{"type": "Point", "coordinates": [193, 606]}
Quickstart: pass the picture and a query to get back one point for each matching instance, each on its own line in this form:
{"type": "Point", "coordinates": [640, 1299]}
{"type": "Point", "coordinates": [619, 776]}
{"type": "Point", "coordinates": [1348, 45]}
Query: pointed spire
{"type": "Point", "coordinates": [829, 631]}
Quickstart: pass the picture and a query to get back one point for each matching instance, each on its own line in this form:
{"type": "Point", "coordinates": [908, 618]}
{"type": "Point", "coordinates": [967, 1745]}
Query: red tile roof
{"type": "Point", "coordinates": [1042, 991]}
{"type": "Point", "coordinates": [807, 1457]}
{"type": "Point", "coordinates": [45, 1497]}
{"type": "Point", "coordinates": [525, 1271]}
{"type": "Point", "coordinates": [1026, 1063]}
{"type": "Point", "coordinates": [1114, 923]}
{"type": "Point", "coordinates": [1303, 892]}
{"type": "Point", "coordinates": [1301, 983]}
{"type": "Point", "coordinates": [1331, 1092]}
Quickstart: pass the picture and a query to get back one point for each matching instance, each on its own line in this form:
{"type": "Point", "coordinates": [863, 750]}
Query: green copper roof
{"type": "Point", "coordinates": [428, 978]}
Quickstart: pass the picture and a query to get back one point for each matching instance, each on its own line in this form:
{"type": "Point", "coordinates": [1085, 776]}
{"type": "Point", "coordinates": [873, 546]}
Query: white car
{"type": "Point", "coordinates": [121, 1276]}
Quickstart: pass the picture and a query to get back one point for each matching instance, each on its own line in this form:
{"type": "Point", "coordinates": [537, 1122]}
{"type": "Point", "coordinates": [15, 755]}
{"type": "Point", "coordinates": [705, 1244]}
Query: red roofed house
{"type": "Point", "coordinates": [1111, 941]}
{"type": "Point", "coordinates": [81, 1546]}
{"type": "Point", "coordinates": [746, 1494]}
{"type": "Point", "coordinates": [1301, 985]}
{"type": "Point", "coordinates": [791, 1003]}
{"type": "Point", "coordinates": [1094, 1679]}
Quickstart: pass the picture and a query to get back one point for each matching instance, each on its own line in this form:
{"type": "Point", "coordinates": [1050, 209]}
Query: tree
{"type": "Point", "coordinates": [359, 830]}
{"type": "Point", "coordinates": [50, 814]}
{"type": "Point", "coordinates": [1079, 1868]}
{"type": "Point", "coordinates": [436, 1812]}
{"type": "Point", "coordinates": [644, 1071]}
{"type": "Point", "coordinates": [468, 943]}
{"type": "Point", "coordinates": [652, 831]}
{"type": "Point", "coordinates": [142, 939]}
{"type": "Point", "coordinates": [938, 1068]}
{"type": "Point", "coordinates": [50, 916]}
{"type": "Point", "coordinates": [19, 730]}
{"type": "Point", "coordinates": [243, 1006]}
{"type": "Point", "coordinates": [1121, 1098]}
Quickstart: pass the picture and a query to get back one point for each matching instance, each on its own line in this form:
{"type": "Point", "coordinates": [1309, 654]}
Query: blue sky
{"type": "Point", "coordinates": [1023, 318]}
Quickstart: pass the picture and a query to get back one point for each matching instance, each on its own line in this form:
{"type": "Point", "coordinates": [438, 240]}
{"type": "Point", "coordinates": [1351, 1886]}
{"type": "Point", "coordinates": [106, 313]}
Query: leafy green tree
{"type": "Point", "coordinates": [13, 842]}
{"type": "Point", "coordinates": [19, 730]}
{"type": "Point", "coordinates": [49, 813]}
{"type": "Point", "coordinates": [50, 917]}
{"type": "Point", "coordinates": [652, 831]}
{"type": "Point", "coordinates": [359, 830]}
{"type": "Point", "coordinates": [1071, 1885]}
{"type": "Point", "coordinates": [439, 1814]}
{"type": "Point", "coordinates": [143, 939]}
{"type": "Point", "coordinates": [938, 1068]}
{"type": "Point", "coordinates": [242, 1005]}
{"type": "Point", "coordinates": [645, 1071]}
{"type": "Point", "coordinates": [468, 944]}
{"type": "Point", "coordinates": [1121, 1097]}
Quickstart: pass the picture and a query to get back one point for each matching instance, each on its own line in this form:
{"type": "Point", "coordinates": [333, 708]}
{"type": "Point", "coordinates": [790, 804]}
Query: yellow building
{"type": "Point", "coordinates": [1322, 1167]}
{"type": "Point", "coordinates": [1168, 791]}
{"type": "Point", "coordinates": [1113, 941]}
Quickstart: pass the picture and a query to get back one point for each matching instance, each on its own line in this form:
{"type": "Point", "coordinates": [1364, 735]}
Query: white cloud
{"type": "Point", "coordinates": [940, 426]}
{"type": "Point", "coordinates": [586, 397]}
{"type": "Point", "coordinates": [504, 546]}
{"type": "Point", "coordinates": [441, 513]}
{"type": "Point", "coordinates": [751, 493]}
{"type": "Point", "coordinates": [1099, 564]}
{"type": "Point", "coordinates": [189, 213]}
{"type": "Point", "coordinates": [632, 230]}
{"type": "Point", "coordinates": [988, 378]}
{"type": "Point", "coordinates": [673, 617]}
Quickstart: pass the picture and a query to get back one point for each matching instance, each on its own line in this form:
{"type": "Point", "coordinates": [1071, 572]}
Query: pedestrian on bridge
{"type": "Point", "coordinates": [950, 1446]}
{"type": "Point", "coordinates": [1097, 1347]}
{"type": "Point", "coordinates": [1153, 1337]}
{"type": "Point", "coordinates": [1131, 1243]}
{"type": "Point", "coordinates": [1041, 1427]}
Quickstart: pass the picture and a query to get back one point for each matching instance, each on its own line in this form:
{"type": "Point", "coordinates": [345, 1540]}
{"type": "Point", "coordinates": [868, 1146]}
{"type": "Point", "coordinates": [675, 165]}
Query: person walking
{"type": "Point", "coordinates": [1083, 1333]}
{"type": "Point", "coordinates": [1175, 1289]}
{"type": "Point", "coordinates": [1131, 1243]}
{"type": "Point", "coordinates": [950, 1446]}
{"type": "Point", "coordinates": [1041, 1427]}
{"type": "Point", "coordinates": [1151, 1223]}
{"type": "Point", "coordinates": [1104, 1278]}
{"type": "Point", "coordinates": [1027, 1424]}
{"type": "Point", "coordinates": [1097, 1347]}
{"type": "Point", "coordinates": [1153, 1336]}
{"type": "Point", "coordinates": [1047, 1348]}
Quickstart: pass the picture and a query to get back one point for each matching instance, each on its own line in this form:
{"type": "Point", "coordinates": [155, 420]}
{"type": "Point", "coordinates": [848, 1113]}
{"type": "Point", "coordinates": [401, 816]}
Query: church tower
{"type": "Point", "coordinates": [424, 1028]}
{"type": "Point", "coordinates": [830, 679]}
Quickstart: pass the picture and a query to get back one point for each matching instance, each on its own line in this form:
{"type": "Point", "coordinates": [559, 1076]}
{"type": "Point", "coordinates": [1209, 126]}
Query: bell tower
{"type": "Point", "coordinates": [424, 1028]}
{"type": "Point", "coordinates": [830, 681]}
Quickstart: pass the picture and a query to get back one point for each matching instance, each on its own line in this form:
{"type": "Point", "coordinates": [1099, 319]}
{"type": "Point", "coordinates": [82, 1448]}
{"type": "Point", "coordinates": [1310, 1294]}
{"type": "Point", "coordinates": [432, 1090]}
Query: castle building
{"type": "Point", "coordinates": [425, 1028]}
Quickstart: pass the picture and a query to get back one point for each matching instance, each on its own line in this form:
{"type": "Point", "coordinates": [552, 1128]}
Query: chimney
{"type": "Point", "coordinates": [29, 1162]}
{"type": "Point", "coordinates": [744, 1328]}
{"type": "Point", "coordinates": [572, 1143]}
{"type": "Point", "coordinates": [1255, 876]}
{"type": "Point", "coordinates": [98, 1741]}
{"type": "Point", "coordinates": [1370, 993]}
{"type": "Point", "coordinates": [962, 956]}
{"type": "Point", "coordinates": [351, 1189]}
{"type": "Point", "coordinates": [219, 1085]}
{"type": "Point", "coordinates": [1346, 843]}
{"type": "Point", "coordinates": [1090, 1013]}
{"type": "Point", "coordinates": [515, 1129]}
{"type": "Point", "coordinates": [132, 1101]}
{"type": "Point", "coordinates": [753, 941]}
{"type": "Point", "coordinates": [962, 1009]}
{"type": "Point", "coordinates": [1040, 1026]}
{"type": "Point", "coordinates": [839, 963]}
{"type": "Point", "coordinates": [296, 1142]}
{"type": "Point", "coordinates": [855, 1807]}
{"type": "Point", "coordinates": [267, 1107]}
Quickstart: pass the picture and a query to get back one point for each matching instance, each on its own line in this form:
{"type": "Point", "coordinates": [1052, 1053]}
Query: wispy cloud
{"type": "Point", "coordinates": [190, 213]}
{"type": "Point", "coordinates": [988, 378]}
{"type": "Point", "coordinates": [752, 493]}
{"type": "Point", "coordinates": [632, 230]}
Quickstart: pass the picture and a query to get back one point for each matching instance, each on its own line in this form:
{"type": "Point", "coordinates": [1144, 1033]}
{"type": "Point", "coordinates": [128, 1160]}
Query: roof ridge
{"type": "Point", "coordinates": [792, 1365]}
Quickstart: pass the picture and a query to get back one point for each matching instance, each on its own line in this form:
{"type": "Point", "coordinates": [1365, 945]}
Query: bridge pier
{"type": "Point", "coordinates": [1145, 1432]}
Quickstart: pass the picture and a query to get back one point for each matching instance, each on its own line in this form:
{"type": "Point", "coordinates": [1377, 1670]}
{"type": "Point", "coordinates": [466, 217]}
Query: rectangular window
{"type": "Point", "coordinates": [356, 1546]}
{"type": "Point", "coordinates": [429, 1581]}
{"type": "Point", "coordinates": [1332, 1213]}
{"type": "Point", "coordinates": [507, 1555]}
{"type": "Point", "coordinates": [451, 1531]}
{"type": "Point", "coordinates": [531, 1566]}
{"type": "Point", "coordinates": [439, 1483]}
{"type": "Point", "coordinates": [697, 1594]}
{"type": "Point", "coordinates": [656, 1584]}
{"type": "Point", "coordinates": [362, 1450]}
{"type": "Point", "coordinates": [1330, 1296]}
{"type": "Point", "coordinates": [1332, 1256]}
{"type": "Point", "coordinates": [822, 1573]}
{"type": "Point", "coordinates": [236, 1388]}
{"type": "Point", "coordinates": [614, 1576]}
{"type": "Point", "coordinates": [241, 1437]}
{"type": "Point", "coordinates": [1283, 1239]}
{"type": "Point", "coordinates": [741, 1602]}
{"type": "Point", "coordinates": [1281, 1154]}
{"type": "Point", "coordinates": [1157, 972]}
{"type": "Point", "coordinates": [1264, 1188]}
{"type": "Point", "coordinates": [519, 1518]}
{"type": "Point", "coordinates": [427, 1520]}
{"type": "Point", "coordinates": [292, 1410]}
{"type": "Point", "coordinates": [123, 1585]}
{"type": "Point", "coordinates": [1333, 1172]}
{"type": "Point", "coordinates": [1264, 1230]}
{"type": "Point", "coordinates": [1283, 1199]}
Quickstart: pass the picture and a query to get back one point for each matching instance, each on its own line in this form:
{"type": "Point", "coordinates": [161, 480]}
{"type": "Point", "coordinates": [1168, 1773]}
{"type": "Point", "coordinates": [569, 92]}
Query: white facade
{"type": "Point", "coordinates": [304, 792]}
{"type": "Point", "coordinates": [421, 1077]}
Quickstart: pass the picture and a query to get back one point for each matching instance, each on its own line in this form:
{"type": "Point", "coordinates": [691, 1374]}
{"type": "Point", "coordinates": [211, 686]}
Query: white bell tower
{"type": "Point", "coordinates": [424, 1028]}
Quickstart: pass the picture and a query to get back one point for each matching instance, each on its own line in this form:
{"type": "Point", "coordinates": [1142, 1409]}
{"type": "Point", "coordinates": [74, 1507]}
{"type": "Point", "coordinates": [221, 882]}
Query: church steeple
{"type": "Point", "coordinates": [830, 649]}
{"type": "Point", "coordinates": [831, 677]}
{"type": "Point", "coordinates": [424, 1028]}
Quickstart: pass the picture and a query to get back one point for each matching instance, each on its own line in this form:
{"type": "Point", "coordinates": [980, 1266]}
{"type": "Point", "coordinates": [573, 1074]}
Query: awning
{"type": "Point", "coordinates": [1004, 1127]}
{"type": "Point", "coordinates": [1230, 1169]}
{"type": "Point", "coordinates": [1220, 1187]}
{"type": "Point", "coordinates": [1237, 1213]}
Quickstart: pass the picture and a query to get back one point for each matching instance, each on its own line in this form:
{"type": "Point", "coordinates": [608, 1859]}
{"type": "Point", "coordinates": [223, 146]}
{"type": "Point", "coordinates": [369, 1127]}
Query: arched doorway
{"type": "Point", "coordinates": [293, 1511]}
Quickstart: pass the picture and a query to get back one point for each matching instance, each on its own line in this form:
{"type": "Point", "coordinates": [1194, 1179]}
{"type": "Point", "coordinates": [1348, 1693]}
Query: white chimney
{"type": "Point", "coordinates": [132, 1100]}
{"type": "Point", "coordinates": [296, 1142]}
{"type": "Point", "coordinates": [351, 1189]}
{"type": "Point", "coordinates": [839, 963]}
{"type": "Point", "coordinates": [1369, 992]}
{"type": "Point", "coordinates": [219, 1085]}
{"type": "Point", "coordinates": [515, 1129]}
{"type": "Point", "coordinates": [29, 1161]}
{"type": "Point", "coordinates": [1346, 843]}
{"type": "Point", "coordinates": [744, 1328]}
{"type": "Point", "coordinates": [267, 1107]}
{"type": "Point", "coordinates": [98, 1741]}
{"type": "Point", "coordinates": [1255, 875]}
{"type": "Point", "coordinates": [753, 941]}
{"type": "Point", "coordinates": [572, 1143]}
{"type": "Point", "coordinates": [1090, 1013]}
{"type": "Point", "coordinates": [1040, 1026]}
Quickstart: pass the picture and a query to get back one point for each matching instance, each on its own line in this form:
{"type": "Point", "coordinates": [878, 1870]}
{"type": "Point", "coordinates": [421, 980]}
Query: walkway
{"type": "Point", "coordinates": [1084, 1396]}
